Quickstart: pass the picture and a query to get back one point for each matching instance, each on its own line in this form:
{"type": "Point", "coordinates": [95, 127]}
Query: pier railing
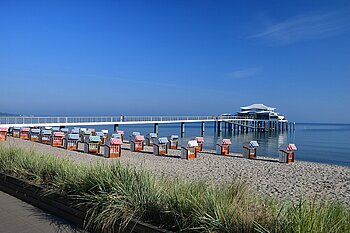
{"type": "Point", "coordinates": [107, 119]}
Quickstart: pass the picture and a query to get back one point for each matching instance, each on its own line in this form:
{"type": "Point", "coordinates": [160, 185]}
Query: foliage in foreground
{"type": "Point", "coordinates": [112, 193]}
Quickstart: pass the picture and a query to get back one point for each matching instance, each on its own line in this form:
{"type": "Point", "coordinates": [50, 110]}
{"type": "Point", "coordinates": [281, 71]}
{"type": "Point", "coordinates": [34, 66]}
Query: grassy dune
{"type": "Point", "coordinates": [114, 192]}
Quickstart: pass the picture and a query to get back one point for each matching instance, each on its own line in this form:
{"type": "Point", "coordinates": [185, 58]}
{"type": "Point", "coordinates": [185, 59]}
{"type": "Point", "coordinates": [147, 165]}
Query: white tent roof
{"type": "Point", "coordinates": [258, 106]}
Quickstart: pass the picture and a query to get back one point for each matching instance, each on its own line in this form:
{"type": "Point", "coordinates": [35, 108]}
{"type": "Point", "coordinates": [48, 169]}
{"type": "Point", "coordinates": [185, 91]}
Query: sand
{"type": "Point", "coordinates": [264, 174]}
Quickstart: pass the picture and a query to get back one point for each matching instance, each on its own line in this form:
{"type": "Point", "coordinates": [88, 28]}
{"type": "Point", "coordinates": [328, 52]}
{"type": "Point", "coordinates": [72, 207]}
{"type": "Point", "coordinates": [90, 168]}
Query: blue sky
{"type": "Point", "coordinates": [175, 57]}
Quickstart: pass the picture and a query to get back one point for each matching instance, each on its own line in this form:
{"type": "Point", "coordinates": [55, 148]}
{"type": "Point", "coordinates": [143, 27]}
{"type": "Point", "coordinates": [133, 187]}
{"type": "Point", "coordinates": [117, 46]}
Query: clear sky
{"type": "Point", "coordinates": [175, 57]}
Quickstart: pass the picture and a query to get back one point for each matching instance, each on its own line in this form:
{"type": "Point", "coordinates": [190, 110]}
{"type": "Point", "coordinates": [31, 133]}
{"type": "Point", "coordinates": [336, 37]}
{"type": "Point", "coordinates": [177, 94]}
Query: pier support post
{"type": "Point", "coordinates": [155, 128]}
{"type": "Point", "coordinates": [202, 128]}
{"type": "Point", "coordinates": [115, 127]}
{"type": "Point", "coordinates": [182, 126]}
{"type": "Point", "coordinates": [219, 126]}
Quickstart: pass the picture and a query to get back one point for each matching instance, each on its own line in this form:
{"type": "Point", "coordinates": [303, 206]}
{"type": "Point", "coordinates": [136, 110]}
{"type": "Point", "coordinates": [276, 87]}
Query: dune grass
{"type": "Point", "coordinates": [112, 192]}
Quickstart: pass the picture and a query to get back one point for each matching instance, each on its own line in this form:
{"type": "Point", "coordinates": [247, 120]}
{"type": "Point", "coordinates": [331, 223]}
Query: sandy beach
{"type": "Point", "coordinates": [265, 175]}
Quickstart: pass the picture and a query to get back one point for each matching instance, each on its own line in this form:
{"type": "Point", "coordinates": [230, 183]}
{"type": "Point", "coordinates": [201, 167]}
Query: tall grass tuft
{"type": "Point", "coordinates": [114, 193]}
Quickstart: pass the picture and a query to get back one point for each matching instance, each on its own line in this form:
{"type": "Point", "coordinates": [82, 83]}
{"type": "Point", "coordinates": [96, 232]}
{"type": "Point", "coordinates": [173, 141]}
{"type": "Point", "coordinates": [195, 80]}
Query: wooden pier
{"type": "Point", "coordinates": [229, 123]}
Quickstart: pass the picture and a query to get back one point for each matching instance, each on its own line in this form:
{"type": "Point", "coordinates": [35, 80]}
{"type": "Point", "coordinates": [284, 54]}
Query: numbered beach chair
{"type": "Point", "coordinates": [150, 138]}
{"type": "Point", "coordinates": [45, 136]}
{"type": "Point", "coordinates": [136, 141]}
{"type": "Point", "coordinates": [34, 135]}
{"type": "Point", "coordinates": [200, 141]}
{"type": "Point", "coordinates": [92, 145]}
{"type": "Point", "coordinates": [24, 133]}
{"type": "Point", "coordinates": [249, 149]}
{"type": "Point", "coordinates": [15, 132]}
{"type": "Point", "coordinates": [173, 141]}
{"type": "Point", "coordinates": [57, 139]}
{"type": "Point", "coordinates": [3, 134]}
{"type": "Point", "coordinates": [71, 141]}
{"type": "Point", "coordinates": [160, 146]}
{"type": "Point", "coordinates": [287, 153]}
{"type": "Point", "coordinates": [223, 147]}
{"type": "Point", "coordinates": [189, 150]}
{"type": "Point", "coordinates": [114, 149]}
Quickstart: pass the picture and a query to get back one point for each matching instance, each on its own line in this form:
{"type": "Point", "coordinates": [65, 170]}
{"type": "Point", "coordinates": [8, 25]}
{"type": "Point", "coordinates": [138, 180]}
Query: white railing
{"type": "Point", "coordinates": [108, 119]}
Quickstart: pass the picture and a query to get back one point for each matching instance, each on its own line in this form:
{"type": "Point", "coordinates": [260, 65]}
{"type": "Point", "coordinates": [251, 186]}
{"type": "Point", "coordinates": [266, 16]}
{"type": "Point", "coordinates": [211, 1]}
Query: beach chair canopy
{"type": "Point", "coordinates": [94, 139]}
{"type": "Point", "coordinates": [116, 135]}
{"type": "Point", "coordinates": [55, 128]}
{"type": "Point", "coordinates": [73, 136]}
{"type": "Point", "coordinates": [292, 147]}
{"type": "Point", "coordinates": [75, 131]}
{"type": "Point", "coordinates": [254, 144]}
{"type": "Point", "coordinates": [16, 128]}
{"type": "Point", "coordinates": [46, 132]}
{"type": "Point", "coordinates": [100, 134]}
{"type": "Point", "coordinates": [58, 134]}
{"type": "Point", "coordinates": [174, 137]}
{"type": "Point", "coordinates": [3, 129]}
{"type": "Point", "coordinates": [37, 131]}
{"type": "Point", "coordinates": [83, 129]}
{"type": "Point", "coordinates": [48, 127]}
{"type": "Point", "coordinates": [135, 134]}
{"type": "Point", "coordinates": [105, 131]}
{"type": "Point", "coordinates": [224, 142]}
{"type": "Point", "coordinates": [163, 140]}
{"type": "Point", "coordinates": [91, 130]}
{"type": "Point", "coordinates": [152, 135]}
{"type": "Point", "coordinates": [192, 143]}
{"type": "Point", "coordinates": [115, 141]}
{"type": "Point", "coordinates": [120, 132]}
{"type": "Point", "coordinates": [65, 130]}
{"type": "Point", "coordinates": [139, 138]}
{"type": "Point", "coordinates": [87, 132]}
{"type": "Point", "coordinates": [199, 139]}
{"type": "Point", "coordinates": [25, 129]}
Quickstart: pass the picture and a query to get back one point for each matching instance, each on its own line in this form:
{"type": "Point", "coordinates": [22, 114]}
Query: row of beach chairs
{"type": "Point", "coordinates": [96, 142]}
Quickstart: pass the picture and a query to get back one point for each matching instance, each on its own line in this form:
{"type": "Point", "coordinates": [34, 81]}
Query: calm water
{"type": "Point", "coordinates": [325, 143]}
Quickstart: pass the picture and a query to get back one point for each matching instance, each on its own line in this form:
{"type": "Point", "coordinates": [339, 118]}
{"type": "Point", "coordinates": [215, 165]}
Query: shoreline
{"type": "Point", "coordinates": [264, 174]}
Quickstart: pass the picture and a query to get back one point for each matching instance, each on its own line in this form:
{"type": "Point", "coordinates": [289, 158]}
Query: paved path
{"type": "Point", "coordinates": [18, 216]}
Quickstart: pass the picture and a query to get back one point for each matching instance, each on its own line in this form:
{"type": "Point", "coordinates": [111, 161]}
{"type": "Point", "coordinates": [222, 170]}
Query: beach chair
{"type": "Point", "coordinates": [150, 138]}
{"type": "Point", "coordinates": [64, 130]}
{"type": "Point", "coordinates": [3, 134]}
{"type": "Point", "coordinates": [71, 141]}
{"type": "Point", "coordinates": [160, 146]}
{"type": "Point", "coordinates": [136, 141]}
{"type": "Point", "coordinates": [173, 141]}
{"type": "Point", "coordinates": [121, 132]}
{"type": "Point", "coordinates": [92, 145]}
{"type": "Point", "coordinates": [189, 150]}
{"type": "Point", "coordinates": [223, 147]}
{"type": "Point", "coordinates": [15, 132]}
{"type": "Point", "coordinates": [287, 153]}
{"type": "Point", "coordinates": [85, 135]}
{"type": "Point", "coordinates": [114, 149]}
{"type": "Point", "coordinates": [249, 149]}
{"type": "Point", "coordinates": [200, 141]}
{"type": "Point", "coordinates": [45, 136]}
{"type": "Point", "coordinates": [55, 129]}
{"type": "Point", "coordinates": [57, 139]}
{"type": "Point", "coordinates": [24, 133]}
{"type": "Point", "coordinates": [105, 132]}
{"type": "Point", "coordinates": [102, 137]}
{"type": "Point", "coordinates": [34, 135]}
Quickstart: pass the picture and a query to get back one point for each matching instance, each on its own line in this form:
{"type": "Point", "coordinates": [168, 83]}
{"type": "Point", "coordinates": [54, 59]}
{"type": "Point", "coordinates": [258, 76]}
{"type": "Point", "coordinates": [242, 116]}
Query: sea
{"type": "Point", "coordinates": [323, 143]}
